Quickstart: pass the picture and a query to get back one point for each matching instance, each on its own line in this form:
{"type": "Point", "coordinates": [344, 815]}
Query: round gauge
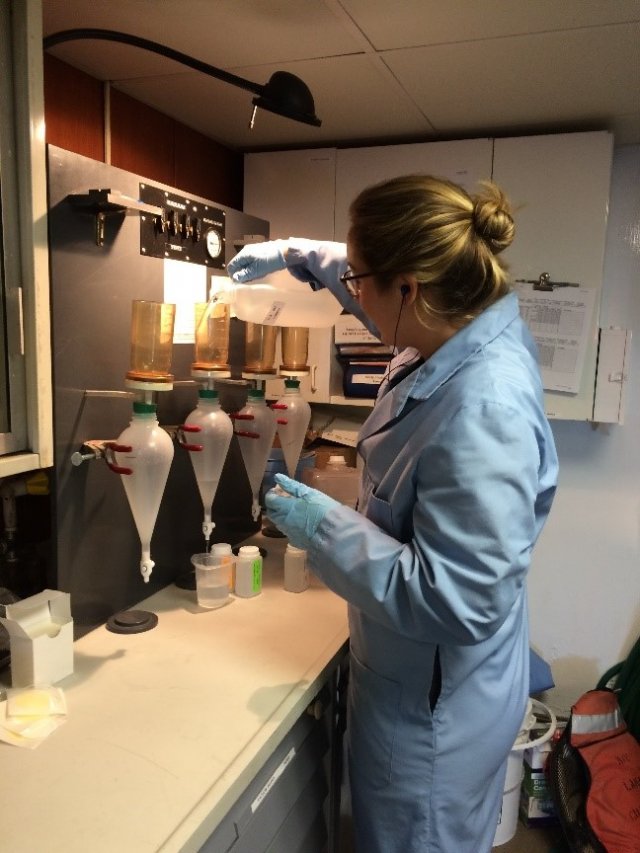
{"type": "Point", "coordinates": [213, 243]}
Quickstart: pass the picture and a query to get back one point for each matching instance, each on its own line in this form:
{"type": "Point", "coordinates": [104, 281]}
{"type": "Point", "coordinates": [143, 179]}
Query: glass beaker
{"type": "Point", "coordinates": [151, 340]}
{"type": "Point", "coordinates": [211, 336]}
{"type": "Point", "coordinates": [295, 347]}
{"type": "Point", "coordinates": [260, 348]}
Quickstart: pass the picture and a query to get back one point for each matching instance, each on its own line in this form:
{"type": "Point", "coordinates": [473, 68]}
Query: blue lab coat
{"type": "Point", "coordinates": [460, 470]}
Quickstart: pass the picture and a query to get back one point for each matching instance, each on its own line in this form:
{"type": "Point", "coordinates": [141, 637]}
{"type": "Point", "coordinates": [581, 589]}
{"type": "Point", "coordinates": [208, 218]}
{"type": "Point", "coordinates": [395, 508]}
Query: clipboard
{"type": "Point", "coordinates": [559, 316]}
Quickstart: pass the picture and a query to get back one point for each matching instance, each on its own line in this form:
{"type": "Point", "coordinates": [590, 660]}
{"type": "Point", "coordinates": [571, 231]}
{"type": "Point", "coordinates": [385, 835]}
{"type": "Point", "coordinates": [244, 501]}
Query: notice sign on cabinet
{"type": "Point", "coordinates": [560, 320]}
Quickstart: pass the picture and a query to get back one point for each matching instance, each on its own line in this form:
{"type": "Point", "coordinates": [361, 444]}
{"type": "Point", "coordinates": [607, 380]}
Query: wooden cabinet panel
{"type": "Point", "coordinates": [74, 109]}
{"type": "Point", "coordinates": [142, 139]}
{"type": "Point", "coordinates": [206, 168]}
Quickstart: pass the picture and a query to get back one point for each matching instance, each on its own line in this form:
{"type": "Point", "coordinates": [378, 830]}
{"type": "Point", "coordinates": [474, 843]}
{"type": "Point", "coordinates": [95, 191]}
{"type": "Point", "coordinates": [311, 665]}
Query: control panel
{"type": "Point", "coordinates": [185, 230]}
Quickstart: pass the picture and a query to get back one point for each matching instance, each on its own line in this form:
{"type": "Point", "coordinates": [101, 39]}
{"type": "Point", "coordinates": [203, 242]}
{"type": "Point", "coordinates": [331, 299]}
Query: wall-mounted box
{"type": "Point", "coordinates": [614, 352]}
{"type": "Point", "coordinates": [41, 635]}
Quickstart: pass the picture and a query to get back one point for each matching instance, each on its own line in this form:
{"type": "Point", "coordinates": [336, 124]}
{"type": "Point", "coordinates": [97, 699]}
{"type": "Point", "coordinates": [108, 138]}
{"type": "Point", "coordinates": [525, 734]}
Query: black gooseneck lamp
{"type": "Point", "coordinates": [284, 93]}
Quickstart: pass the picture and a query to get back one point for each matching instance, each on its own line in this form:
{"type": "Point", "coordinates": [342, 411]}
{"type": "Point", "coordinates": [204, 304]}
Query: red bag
{"type": "Point", "coordinates": [612, 758]}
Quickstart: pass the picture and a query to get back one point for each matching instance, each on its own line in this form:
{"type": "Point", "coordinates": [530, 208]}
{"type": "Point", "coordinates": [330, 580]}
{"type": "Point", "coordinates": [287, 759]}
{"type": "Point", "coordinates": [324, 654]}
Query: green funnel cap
{"type": "Point", "coordinates": [141, 408]}
{"type": "Point", "coordinates": [208, 393]}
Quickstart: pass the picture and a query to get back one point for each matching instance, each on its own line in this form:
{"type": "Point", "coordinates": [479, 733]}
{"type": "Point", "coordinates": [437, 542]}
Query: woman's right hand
{"type": "Point", "coordinates": [257, 260]}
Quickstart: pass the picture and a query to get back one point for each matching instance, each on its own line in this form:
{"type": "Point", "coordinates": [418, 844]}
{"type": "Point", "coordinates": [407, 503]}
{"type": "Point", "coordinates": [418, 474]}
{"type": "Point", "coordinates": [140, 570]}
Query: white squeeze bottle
{"type": "Point", "coordinates": [248, 571]}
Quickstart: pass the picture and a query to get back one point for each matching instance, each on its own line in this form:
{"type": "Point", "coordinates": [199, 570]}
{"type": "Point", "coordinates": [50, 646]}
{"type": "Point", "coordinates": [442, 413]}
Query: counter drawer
{"type": "Point", "coordinates": [284, 807]}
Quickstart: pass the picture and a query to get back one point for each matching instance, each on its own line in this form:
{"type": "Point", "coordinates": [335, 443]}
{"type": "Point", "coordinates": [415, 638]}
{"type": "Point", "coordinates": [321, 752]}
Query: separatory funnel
{"type": "Point", "coordinates": [256, 430]}
{"type": "Point", "coordinates": [210, 429]}
{"type": "Point", "coordinates": [294, 414]}
{"type": "Point", "coordinates": [142, 455]}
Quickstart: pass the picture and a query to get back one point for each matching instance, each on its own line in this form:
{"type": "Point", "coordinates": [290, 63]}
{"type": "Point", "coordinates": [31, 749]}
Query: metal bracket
{"type": "Point", "coordinates": [103, 203]}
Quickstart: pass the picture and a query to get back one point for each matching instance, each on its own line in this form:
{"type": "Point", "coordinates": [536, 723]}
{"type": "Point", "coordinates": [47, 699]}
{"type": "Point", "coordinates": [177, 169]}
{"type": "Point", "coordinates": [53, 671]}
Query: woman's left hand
{"type": "Point", "coordinates": [299, 514]}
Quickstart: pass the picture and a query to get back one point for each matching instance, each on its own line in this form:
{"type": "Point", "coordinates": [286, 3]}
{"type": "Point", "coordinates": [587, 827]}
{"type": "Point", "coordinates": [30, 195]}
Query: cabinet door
{"type": "Point", "coordinates": [559, 188]}
{"type": "Point", "coordinates": [466, 162]}
{"type": "Point", "coordinates": [295, 192]}
{"type": "Point", "coordinates": [25, 362]}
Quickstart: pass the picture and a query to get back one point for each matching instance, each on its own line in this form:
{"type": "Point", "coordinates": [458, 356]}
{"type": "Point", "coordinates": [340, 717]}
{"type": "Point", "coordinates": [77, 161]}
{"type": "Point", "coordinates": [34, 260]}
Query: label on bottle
{"type": "Point", "coordinates": [248, 577]}
{"type": "Point", "coordinates": [271, 317]}
{"type": "Point", "coordinates": [257, 575]}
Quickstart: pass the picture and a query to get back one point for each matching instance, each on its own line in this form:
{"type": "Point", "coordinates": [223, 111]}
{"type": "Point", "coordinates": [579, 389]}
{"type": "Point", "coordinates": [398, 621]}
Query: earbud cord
{"type": "Point", "coordinates": [395, 338]}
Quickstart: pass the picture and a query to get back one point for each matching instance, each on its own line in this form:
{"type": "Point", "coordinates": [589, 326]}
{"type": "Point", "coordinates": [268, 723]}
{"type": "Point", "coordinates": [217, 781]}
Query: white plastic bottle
{"type": "Point", "coordinates": [248, 572]}
{"type": "Point", "coordinates": [281, 300]}
{"type": "Point", "coordinates": [223, 551]}
{"type": "Point", "coordinates": [336, 479]}
{"type": "Point", "coordinates": [296, 573]}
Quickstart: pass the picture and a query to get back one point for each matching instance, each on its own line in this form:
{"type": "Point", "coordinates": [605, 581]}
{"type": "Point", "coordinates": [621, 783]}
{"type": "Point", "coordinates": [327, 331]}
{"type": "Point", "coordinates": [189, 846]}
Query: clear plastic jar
{"type": "Point", "coordinates": [296, 573]}
{"type": "Point", "coordinates": [222, 552]}
{"type": "Point", "coordinates": [336, 479]}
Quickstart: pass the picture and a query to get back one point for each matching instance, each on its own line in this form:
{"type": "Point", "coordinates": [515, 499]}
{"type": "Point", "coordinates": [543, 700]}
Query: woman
{"type": "Point", "coordinates": [459, 474]}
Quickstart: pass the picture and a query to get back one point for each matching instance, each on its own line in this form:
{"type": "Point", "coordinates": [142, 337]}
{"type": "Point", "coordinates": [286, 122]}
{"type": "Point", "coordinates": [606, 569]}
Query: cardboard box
{"type": "Point", "coordinates": [324, 451]}
{"type": "Point", "coordinates": [41, 636]}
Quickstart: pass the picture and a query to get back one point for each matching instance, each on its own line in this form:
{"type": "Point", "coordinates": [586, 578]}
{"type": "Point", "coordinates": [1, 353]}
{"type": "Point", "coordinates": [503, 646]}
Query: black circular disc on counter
{"type": "Point", "coordinates": [132, 621]}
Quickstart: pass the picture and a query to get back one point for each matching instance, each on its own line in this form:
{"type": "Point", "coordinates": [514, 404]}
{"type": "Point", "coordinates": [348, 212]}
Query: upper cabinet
{"type": "Point", "coordinates": [559, 188]}
{"type": "Point", "coordinates": [293, 190]}
{"type": "Point", "coordinates": [465, 162]}
{"type": "Point", "coordinates": [26, 441]}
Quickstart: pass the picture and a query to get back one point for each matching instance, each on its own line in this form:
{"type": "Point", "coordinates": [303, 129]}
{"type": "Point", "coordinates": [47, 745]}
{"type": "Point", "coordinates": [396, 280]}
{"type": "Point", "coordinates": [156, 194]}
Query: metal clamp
{"type": "Point", "coordinates": [92, 449]}
{"type": "Point", "coordinates": [544, 282]}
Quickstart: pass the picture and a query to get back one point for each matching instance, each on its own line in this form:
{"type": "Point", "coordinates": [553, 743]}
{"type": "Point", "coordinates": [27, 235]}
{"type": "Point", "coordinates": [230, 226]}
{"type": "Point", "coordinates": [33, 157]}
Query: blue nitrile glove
{"type": "Point", "coordinates": [300, 515]}
{"type": "Point", "coordinates": [257, 260]}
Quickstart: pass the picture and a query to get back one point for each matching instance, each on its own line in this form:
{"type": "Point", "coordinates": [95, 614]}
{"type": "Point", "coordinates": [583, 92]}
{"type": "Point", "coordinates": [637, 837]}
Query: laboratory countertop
{"type": "Point", "coordinates": [166, 728]}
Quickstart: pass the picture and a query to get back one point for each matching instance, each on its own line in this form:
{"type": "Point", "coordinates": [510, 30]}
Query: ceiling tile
{"type": "Point", "coordinates": [408, 23]}
{"type": "Point", "coordinates": [224, 33]}
{"type": "Point", "coordinates": [379, 72]}
{"type": "Point", "coordinates": [580, 76]}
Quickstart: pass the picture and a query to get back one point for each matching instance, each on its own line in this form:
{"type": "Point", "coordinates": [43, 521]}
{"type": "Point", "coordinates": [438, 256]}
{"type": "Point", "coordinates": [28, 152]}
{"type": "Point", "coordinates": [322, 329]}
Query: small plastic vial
{"type": "Point", "coordinates": [296, 573]}
{"type": "Point", "coordinates": [248, 581]}
{"type": "Point", "coordinates": [223, 551]}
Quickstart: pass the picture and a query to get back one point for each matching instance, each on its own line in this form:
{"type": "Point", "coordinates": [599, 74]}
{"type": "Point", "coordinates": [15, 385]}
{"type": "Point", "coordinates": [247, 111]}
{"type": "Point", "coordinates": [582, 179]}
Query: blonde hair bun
{"type": "Point", "coordinates": [492, 219]}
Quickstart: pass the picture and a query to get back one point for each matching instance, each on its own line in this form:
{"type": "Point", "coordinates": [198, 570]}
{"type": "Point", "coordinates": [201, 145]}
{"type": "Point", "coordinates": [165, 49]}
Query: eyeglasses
{"type": "Point", "coordinates": [351, 280]}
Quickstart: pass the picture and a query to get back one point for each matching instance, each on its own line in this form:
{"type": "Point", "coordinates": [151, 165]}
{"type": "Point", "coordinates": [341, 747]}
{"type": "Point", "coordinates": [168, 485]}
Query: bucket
{"type": "Point", "coordinates": [508, 820]}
